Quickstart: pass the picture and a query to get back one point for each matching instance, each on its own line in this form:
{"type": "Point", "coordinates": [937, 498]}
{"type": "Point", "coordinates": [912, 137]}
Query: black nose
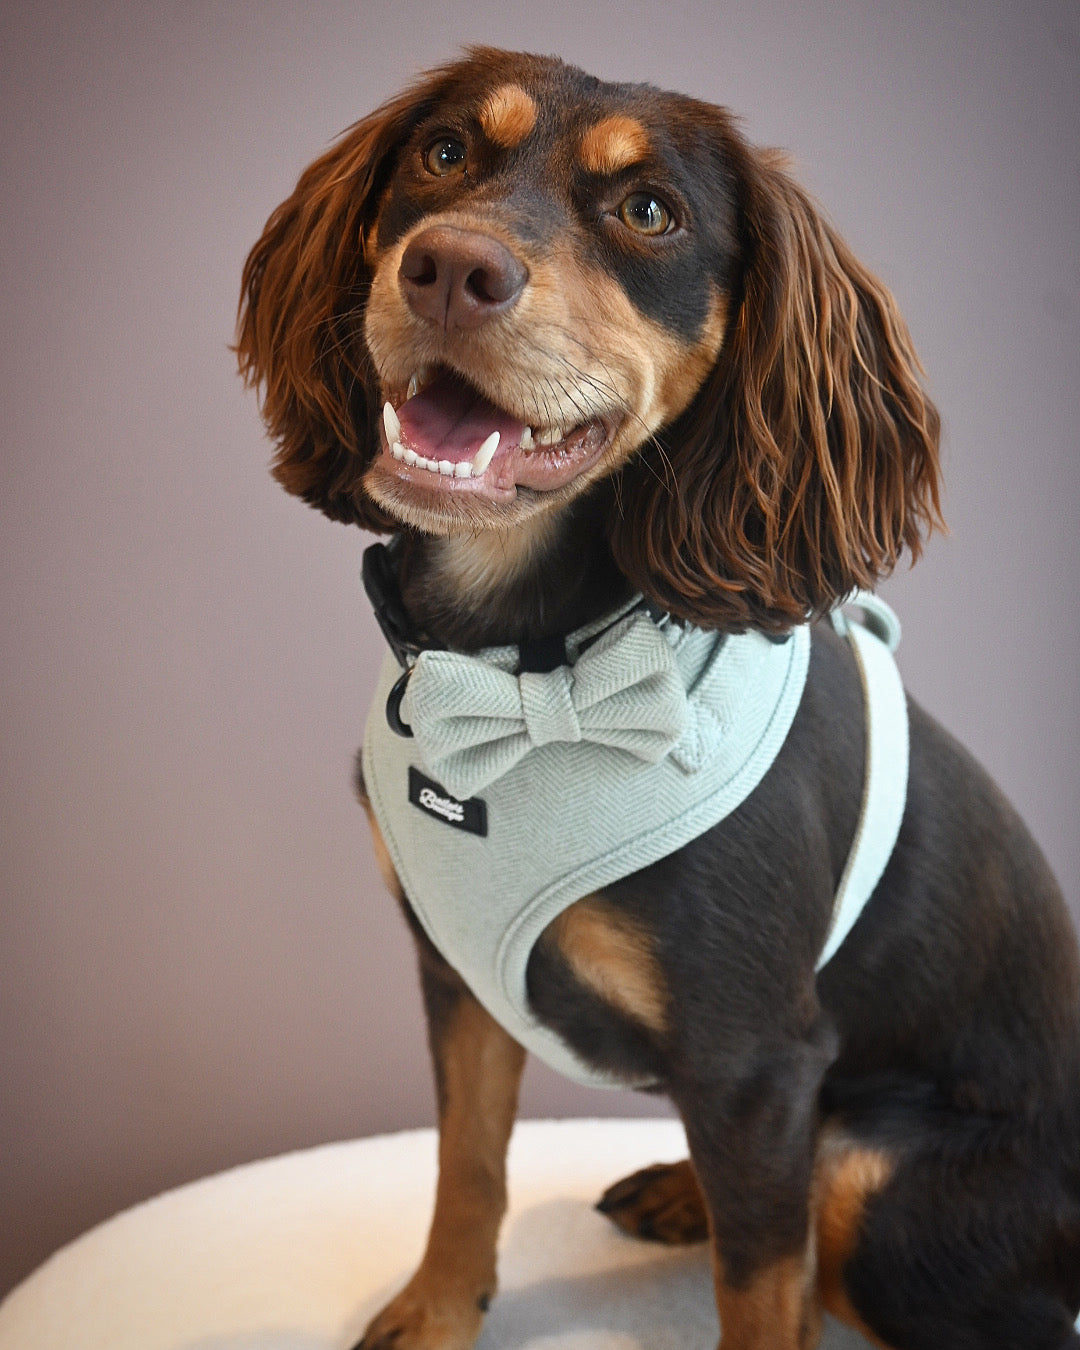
{"type": "Point", "coordinates": [460, 278]}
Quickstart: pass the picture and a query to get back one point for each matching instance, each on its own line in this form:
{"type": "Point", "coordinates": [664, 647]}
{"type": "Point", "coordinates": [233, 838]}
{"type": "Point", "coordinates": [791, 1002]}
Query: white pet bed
{"type": "Point", "coordinates": [298, 1252]}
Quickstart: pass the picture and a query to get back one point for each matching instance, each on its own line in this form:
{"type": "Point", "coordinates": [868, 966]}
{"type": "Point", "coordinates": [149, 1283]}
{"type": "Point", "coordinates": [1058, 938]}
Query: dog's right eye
{"type": "Point", "coordinates": [445, 156]}
{"type": "Point", "coordinates": [645, 214]}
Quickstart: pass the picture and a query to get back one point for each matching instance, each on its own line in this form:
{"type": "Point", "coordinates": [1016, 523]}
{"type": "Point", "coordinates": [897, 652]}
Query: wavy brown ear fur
{"type": "Point", "coordinates": [810, 459]}
{"type": "Point", "coordinates": [300, 322]}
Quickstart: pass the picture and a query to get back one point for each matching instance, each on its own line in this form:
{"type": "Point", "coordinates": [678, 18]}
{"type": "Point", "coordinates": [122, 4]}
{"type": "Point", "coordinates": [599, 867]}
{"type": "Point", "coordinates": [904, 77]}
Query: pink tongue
{"type": "Point", "coordinates": [451, 420]}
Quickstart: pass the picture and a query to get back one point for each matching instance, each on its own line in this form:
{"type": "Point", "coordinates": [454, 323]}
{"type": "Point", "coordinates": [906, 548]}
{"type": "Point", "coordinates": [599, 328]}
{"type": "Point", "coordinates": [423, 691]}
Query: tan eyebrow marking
{"type": "Point", "coordinates": [613, 144]}
{"type": "Point", "coordinates": [508, 115]}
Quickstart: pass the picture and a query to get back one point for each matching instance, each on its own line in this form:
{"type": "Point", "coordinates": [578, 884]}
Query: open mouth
{"type": "Point", "coordinates": [443, 434]}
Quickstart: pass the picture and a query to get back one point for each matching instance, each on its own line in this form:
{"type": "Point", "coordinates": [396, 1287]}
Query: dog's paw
{"type": "Point", "coordinates": [662, 1203]}
{"type": "Point", "coordinates": [419, 1319]}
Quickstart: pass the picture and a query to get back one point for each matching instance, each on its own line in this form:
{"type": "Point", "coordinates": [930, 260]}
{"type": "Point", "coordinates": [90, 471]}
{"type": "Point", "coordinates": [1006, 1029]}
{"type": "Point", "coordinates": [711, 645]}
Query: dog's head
{"type": "Point", "coordinates": [515, 280]}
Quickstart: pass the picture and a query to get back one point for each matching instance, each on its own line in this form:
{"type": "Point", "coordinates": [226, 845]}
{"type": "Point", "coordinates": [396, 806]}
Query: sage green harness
{"type": "Point", "coordinates": [520, 793]}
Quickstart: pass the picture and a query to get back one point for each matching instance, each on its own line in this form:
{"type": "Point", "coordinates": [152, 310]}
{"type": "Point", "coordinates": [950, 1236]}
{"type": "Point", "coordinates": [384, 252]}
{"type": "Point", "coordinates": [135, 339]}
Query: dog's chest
{"type": "Point", "coordinates": [519, 794]}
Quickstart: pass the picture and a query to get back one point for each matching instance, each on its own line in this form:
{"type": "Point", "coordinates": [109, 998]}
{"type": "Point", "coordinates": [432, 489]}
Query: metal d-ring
{"type": "Point", "coordinates": [393, 705]}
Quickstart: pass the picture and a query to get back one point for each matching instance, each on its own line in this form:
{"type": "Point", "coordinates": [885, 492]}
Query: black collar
{"type": "Point", "coordinates": [381, 570]}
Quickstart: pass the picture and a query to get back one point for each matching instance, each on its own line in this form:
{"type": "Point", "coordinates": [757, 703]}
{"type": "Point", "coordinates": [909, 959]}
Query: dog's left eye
{"type": "Point", "coordinates": [446, 156]}
{"type": "Point", "coordinates": [645, 214]}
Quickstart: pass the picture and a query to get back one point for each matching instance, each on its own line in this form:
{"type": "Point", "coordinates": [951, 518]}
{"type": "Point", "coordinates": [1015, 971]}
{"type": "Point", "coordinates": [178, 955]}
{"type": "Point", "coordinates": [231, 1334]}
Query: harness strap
{"type": "Point", "coordinates": [886, 773]}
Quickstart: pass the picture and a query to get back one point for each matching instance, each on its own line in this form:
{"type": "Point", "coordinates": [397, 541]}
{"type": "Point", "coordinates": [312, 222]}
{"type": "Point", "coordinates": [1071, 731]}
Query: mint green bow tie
{"type": "Point", "coordinates": [473, 721]}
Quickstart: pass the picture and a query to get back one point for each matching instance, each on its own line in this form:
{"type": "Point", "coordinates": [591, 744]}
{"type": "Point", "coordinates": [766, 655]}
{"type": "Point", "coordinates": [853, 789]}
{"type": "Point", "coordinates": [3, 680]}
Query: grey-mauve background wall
{"type": "Point", "coordinates": [197, 963]}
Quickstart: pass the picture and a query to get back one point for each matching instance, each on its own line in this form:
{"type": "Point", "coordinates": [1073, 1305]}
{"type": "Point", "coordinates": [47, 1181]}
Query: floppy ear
{"type": "Point", "coordinates": [300, 321]}
{"type": "Point", "coordinates": [809, 460]}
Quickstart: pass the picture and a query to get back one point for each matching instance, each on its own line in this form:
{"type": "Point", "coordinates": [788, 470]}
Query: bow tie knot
{"type": "Point", "coordinates": [547, 706]}
{"type": "Point", "coordinates": [473, 721]}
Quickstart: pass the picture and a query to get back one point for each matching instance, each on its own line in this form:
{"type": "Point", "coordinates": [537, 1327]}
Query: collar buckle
{"type": "Point", "coordinates": [380, 575]}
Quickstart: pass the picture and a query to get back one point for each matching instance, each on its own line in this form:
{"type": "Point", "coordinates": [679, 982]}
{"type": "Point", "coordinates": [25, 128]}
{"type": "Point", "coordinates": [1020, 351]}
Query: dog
{"type": "Point", "coordinates": [584, 352]}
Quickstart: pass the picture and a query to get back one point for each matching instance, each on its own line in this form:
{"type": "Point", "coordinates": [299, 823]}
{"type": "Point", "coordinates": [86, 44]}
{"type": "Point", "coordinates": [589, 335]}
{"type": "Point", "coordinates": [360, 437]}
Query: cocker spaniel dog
{"type": "Point", "coordinates": [639, 424]}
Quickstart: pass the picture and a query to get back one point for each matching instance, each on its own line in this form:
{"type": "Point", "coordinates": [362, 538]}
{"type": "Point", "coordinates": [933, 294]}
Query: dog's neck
{"type": "Point", "coordinates": [549, 576]}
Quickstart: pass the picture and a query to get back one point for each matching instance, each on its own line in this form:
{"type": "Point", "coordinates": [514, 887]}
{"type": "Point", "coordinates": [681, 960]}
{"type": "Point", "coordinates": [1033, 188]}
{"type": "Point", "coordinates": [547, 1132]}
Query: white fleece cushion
{"type": "Point", "coordinates": [298, 1252]}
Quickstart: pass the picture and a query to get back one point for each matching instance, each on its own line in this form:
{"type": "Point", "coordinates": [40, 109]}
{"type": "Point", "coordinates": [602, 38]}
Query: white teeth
{"type": "Point", "coordinates": [482, 458]}
{"type": "Point", "coordinates": [527, 441]}
{"type": "Point", "coordinates": [414, 387]}
{"type": "Point", "coordinates": [549, 436]}
{"type": "Point", "coordinates": [446, 468]}
{"type": "Point", "coordinates": [391, 423]}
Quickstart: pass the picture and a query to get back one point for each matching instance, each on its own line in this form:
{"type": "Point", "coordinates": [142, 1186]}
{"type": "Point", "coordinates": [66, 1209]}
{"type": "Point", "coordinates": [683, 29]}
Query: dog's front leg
{"type": "Point", "coordinates": [477, 1072]}
{"type": "Point", "coordinates": [752, 1140]}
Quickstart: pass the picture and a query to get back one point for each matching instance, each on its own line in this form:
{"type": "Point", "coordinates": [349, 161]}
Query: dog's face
{"type": "Point", "coordinates": [515, 280]}
{"type": "Point", "coordinates": [550, 266]}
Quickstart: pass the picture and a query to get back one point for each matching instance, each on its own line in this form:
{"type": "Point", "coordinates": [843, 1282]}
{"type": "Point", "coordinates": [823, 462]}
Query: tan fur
{"type": "Point", "coordinates": [480, 1069]}
{"type": "Point", "coordinates": [573, 348]}
{"type": "Point", "coordinates": [663, 1203]}
{"type": "Point", "coordinates": [773, 1312]}
{"type": "Point", "coordinates": [444, 1301]}
{"type": "Point", "coordinates": [508, 116]}
{"type": "Point", "coordinates": [477, 566]}
{"type": "Point", "coordinates": [615, 958]}
{"type": "Point", "coordinates": [613, 144]}
{"type": "Point", "coordinates": [847, 1176]}
{"type": "Point", "coordinates": [382, 854]}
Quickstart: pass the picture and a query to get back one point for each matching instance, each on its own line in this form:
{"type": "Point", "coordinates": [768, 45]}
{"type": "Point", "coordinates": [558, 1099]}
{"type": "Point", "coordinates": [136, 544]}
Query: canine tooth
{"type": "Point", "coordinates": [398, 450]}
{"type": "Point", "coordinates": [463, 469]}
{"type": "Point", "coordinates": [549, 436]}
{"type": "Point", "coordinates": [391, 423]}
{"type": "Point", "coordinates": [527, 441]}
{"type": "Point", "coordinates": [446, 468]}
{"type": "Point", "coordinates": [410, 457]}
{"type": "Point", "coordinates": [482, 458]}
{"type": "Point", "coordinates": [414, 386]}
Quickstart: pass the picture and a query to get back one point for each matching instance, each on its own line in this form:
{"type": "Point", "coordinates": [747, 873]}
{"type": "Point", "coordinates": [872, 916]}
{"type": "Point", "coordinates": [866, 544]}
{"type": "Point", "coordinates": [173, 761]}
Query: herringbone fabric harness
{"type": "Point", "coordinates": [519, 793]}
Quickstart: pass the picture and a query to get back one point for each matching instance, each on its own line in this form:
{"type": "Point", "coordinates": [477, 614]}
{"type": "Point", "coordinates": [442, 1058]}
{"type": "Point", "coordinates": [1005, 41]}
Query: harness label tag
{"type": "Point", "coordinates": [469, 815]}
